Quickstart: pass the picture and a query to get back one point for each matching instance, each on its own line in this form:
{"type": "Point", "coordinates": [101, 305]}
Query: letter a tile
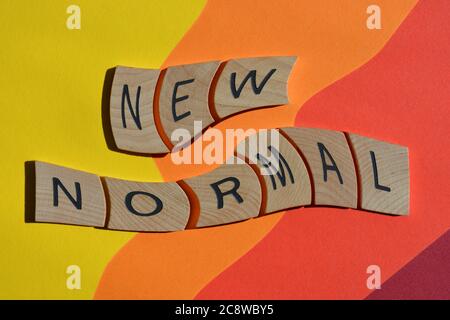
{"type": "Point", "coordinates": [328, 155]}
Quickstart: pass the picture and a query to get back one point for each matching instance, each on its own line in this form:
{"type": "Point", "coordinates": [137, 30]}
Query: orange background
{"type": "Point", "coordinates": [331, 40]}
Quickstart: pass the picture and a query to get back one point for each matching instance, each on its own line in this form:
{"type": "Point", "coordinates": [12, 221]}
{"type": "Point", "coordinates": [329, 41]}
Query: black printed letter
{"type": "Point", "coordinates": [280, 172]}
{"type": "Point", "coordinates": [220, 194]}
{"type": "Point", "coordinates": [129, 199]}
{"type": "Point", "coordinates": [375, 174]}
{"type": "Point", "coordinates": [326, 166]}
{"type": "Point", "coordinates": [136, 118]}
{"type": "Point", "coordinates": [175, 100]}
{"type": "Point", "coordinates": [76, 202]}
{"type": "Point", "coordinates": [251, 75]}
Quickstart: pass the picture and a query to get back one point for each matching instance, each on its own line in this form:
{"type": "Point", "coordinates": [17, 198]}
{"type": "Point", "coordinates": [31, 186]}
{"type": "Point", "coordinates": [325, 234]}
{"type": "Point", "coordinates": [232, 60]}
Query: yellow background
{"type": "Point", "coordinates": [51, 88]}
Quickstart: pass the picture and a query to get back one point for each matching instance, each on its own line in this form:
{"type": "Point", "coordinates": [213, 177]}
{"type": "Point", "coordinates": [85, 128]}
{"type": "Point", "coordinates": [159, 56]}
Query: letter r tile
{"type": "Point", "coordinates": [227, 194]}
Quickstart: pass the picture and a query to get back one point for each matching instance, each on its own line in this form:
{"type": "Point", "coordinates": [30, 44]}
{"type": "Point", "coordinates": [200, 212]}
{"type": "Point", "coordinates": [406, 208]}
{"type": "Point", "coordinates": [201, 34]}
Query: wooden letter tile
{"type": "Point", "coordinates": [184, 97]}
{"type": "Point", "coordinates": [384, 174]}
{"type": "Point", "coordinates": [250, 83]}
{"type": "Point", "coordinates": [68, 196]}
{"type": "Point", "coordinates": [328, 155]}
{"type": "Point", "coordinates": [146, 206]}
{"type": "Point", "coordinates": [285, 175]}
{"type": "Point", "coordinates": [131, 111]}
{"type": "Point", "coordinates": [227, 194]}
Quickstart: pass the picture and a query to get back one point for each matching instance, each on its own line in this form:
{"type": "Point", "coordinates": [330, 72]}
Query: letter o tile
{"type": "Point", "coordinates": [171, 213]}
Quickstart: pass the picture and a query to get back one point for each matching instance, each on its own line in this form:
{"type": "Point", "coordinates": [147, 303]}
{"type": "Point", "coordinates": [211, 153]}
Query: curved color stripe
{"type": "Point", "coordinates": [51, 96]}
{"type": "Point", "coordinates": [330, 40]}
{"type": "Point", "coordinates": [401, 95]}
{"type": "Point", "coordinates": [425, 277]}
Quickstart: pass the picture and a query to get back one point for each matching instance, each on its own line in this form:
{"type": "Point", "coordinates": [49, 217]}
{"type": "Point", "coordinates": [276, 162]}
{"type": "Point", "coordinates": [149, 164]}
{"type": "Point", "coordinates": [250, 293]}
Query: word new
{"type": "Point", "coordinates": [147, 105]}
